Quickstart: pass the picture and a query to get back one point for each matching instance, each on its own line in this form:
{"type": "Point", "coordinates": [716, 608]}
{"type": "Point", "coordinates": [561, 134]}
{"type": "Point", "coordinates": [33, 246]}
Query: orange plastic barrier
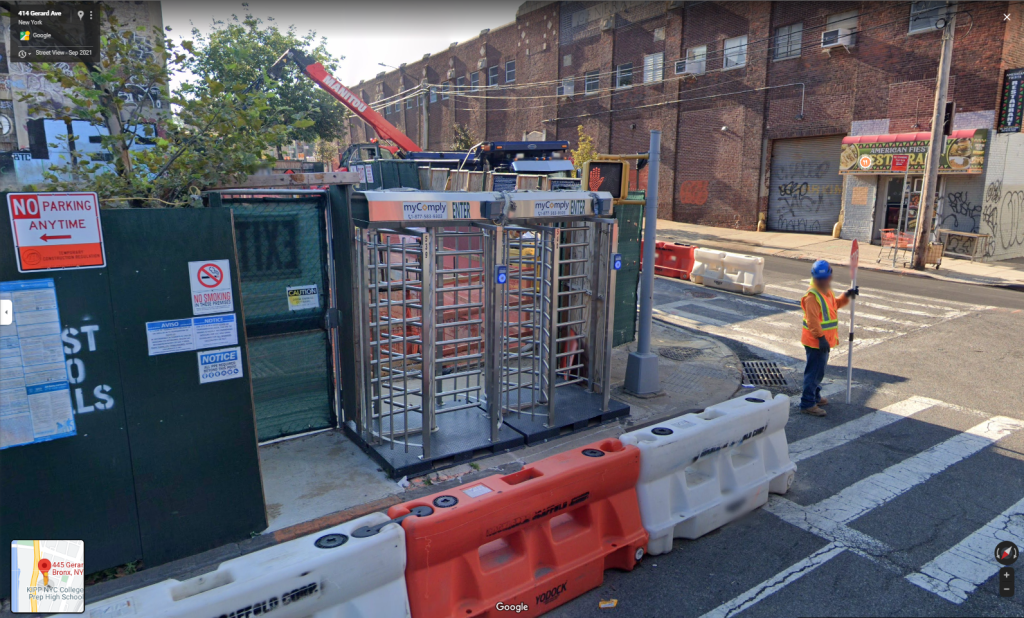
{"type": "Point", "coordinates": [676, 260]}
{"type": "Point", "coordinates": [539, 537]}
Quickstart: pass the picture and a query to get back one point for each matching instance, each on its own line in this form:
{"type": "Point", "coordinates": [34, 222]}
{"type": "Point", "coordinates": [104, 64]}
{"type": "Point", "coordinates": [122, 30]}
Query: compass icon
{"type": "Point", "coordinates": [1006, 553]}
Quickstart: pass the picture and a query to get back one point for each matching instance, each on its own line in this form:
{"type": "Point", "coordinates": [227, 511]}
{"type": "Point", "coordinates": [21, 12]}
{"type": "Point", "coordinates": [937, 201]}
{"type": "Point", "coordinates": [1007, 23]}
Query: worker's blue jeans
{"type": "Point", "coordinates": [814, 373]}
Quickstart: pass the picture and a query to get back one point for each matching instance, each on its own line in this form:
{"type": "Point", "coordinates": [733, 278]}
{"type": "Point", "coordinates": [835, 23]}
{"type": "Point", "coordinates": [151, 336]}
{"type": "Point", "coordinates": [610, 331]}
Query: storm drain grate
{"type": "Point", "coordinates": [680, 353]}
{"type": "Point", "coordinates": [762, 373]}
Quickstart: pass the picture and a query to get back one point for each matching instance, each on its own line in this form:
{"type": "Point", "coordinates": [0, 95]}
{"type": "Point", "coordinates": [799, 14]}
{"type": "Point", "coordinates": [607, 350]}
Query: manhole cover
{"type": "Point", "coordinates": [762, 373]}
{"type": "Point", "coordinates": [700, 294]}
{"type": "Point", "coordinates": [680, 353]}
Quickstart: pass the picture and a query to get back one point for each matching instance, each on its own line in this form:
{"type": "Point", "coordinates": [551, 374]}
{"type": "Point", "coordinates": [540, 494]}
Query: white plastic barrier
{"type": "Point", "coordinates": [728, 271]}
{"type": "Point", "coordinates": [701, 471]}
{"type": "Point", "coordinates": [311, 577]}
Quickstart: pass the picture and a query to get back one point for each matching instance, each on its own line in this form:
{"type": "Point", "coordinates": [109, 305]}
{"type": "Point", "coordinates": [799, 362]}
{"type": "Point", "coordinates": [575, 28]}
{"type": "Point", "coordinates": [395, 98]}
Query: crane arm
{"type": "Point", "coordinates": [360, 108]}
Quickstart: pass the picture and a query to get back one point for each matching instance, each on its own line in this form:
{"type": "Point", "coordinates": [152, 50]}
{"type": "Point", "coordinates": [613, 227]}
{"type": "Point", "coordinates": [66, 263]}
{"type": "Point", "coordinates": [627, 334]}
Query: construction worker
{"type": "Point", "coordinates": [820, 332]}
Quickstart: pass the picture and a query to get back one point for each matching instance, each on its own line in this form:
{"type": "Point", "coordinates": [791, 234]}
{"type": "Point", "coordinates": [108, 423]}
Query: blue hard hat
{"type": "Point", "coordinates": [821, 270]}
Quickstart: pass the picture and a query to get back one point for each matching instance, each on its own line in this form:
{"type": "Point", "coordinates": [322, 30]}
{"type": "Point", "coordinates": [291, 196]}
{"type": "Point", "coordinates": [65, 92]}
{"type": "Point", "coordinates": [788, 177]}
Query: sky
{"type": "Point", "coordinates": [365, 32]}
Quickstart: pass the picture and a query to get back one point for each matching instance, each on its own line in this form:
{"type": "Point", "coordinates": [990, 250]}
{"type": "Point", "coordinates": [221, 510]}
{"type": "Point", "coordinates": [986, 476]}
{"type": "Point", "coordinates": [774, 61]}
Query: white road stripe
{"type": "Point", "coordinates": [840, 435]}
{"type": "Point", "coordinates": [827, 390]}
{"type": "Point", "coordinates": [871, 492]}
{"type": "Point", "coordinates": [692, 317]}
{"type": "Point", "coordinates": [829, 518]}
{"type": "Point", "coordinates": [956, 572]}
{"type": "Point", "coordinates": [912, 299]}
{"type": "Point", "coordinates": [778, 582]}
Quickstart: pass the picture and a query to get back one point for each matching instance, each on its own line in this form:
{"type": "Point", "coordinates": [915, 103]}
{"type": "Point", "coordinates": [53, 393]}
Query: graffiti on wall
{"type": "Point", "coordinates": [694, 192]}
{"type": "Point", "coordinates": [1003, 215]}
{"type": "Point", "coordinates": [802, 195]}
{"type": "Point", "coordinates": [960, 213]}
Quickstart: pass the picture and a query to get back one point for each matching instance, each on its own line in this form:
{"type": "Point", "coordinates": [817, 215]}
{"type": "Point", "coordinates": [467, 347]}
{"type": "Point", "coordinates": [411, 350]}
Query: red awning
{"type": "Point", "coordinates": [920, 136]}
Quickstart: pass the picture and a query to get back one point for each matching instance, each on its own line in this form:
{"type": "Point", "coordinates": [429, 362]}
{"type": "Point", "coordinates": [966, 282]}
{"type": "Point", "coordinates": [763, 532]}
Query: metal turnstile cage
{"type": "Point", "coordinates": [475, 337]}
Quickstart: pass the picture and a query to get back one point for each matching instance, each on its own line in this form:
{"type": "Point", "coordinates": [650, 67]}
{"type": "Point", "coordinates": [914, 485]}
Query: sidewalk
{"type": "Point", "coordinates": [837, 251]}
{"type": "Point", "coordinates": [319, 481]}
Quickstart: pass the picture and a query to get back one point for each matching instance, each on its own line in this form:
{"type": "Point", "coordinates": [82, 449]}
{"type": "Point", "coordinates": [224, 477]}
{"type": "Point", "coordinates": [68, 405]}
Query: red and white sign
{"type": "Point", "coordinates": [854, 259]}
{"type": "Point", "coordinates": [865, 161]}
{"type": "Point", "coordinates": [900, 163]}
{"type": "Point", "coordinates": [210, 282]}
{"type": "Point", "coordinates": [56, 230]}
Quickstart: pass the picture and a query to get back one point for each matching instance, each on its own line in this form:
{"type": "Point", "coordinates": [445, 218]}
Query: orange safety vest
{"type": "Point", "coordinates": [829, 319]}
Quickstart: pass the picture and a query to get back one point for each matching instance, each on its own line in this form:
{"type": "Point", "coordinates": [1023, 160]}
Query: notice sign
{"type": "Point", "coordinates": [900, 163]}
{"type": "Point", "coordinates": [35, 396]}
{"type": "Point", "coordinates": [56, 230]}
{"type": "Point", "coordinates": [303, 297]}
{"type": "Point", "coordinates": [188, 334]}
{"type": "Point", "coordinates": [211, 287]}
{"type": "Point", "coordinates": [219, 365]}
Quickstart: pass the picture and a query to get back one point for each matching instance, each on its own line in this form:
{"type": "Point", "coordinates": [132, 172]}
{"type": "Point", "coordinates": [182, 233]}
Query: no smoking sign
{"type": "Point", "coordinates": [210, 282]}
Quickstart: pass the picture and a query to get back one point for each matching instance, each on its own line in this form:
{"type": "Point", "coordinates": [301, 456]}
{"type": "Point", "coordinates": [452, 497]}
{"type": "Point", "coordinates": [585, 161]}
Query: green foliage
{"type": "Point", "coordinates": [242, 49]}
{"type": "Point", "coordinates": [584, 151]}
{"type": "Point", "coordinates": [208, 133]}
{"type": "Point", "coordinates": [326, 150]}
{"type": "Point", "coordinates": [462, 139]}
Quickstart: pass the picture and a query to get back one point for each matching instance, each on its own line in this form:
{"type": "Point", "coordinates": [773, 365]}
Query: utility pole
{"type": "Point", "coordinates": [425, 118]}
{"type": "Point", "coordinates": [938, 142]}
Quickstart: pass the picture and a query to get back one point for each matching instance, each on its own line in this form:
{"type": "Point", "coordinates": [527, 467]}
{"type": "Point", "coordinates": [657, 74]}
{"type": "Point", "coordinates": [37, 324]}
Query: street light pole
{"type": "Point", "coordinates": [642, 365]}
{"type": "Point", "coordinates": [938, 142]}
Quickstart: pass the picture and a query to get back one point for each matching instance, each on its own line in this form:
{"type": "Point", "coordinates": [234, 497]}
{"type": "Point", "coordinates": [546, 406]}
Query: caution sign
{"type": "Point", "coordinates": [210, 281]}
{"type": "Point", "coordinates": [56, 231]}
{"type": "Point", "coordinates": [302, 297]}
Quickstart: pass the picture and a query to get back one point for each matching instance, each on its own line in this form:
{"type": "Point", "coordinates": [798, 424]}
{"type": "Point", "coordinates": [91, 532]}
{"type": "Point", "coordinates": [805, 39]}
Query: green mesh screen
{"type": "Point", "coordinates": [281, 245]}
{"type": "Point", "coordinates": [630, 217]}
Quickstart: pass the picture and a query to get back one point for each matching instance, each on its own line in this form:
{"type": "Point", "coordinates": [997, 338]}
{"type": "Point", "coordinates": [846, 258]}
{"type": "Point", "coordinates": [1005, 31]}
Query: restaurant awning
{"type": "Point", "coordinates": [899, 153]}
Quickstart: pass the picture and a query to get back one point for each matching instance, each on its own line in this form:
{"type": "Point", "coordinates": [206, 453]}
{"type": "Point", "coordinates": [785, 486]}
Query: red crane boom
{"type": "Point", "coordinates": [328, 82]}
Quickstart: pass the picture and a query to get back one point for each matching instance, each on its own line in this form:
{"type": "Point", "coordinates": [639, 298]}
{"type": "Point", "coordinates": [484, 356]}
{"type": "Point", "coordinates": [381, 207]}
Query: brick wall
{"type": "Point", "coordinates": [708, 175]}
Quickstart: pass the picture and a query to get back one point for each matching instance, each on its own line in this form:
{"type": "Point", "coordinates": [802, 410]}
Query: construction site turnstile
{"type": "Point", "coordinates": [484, 321]}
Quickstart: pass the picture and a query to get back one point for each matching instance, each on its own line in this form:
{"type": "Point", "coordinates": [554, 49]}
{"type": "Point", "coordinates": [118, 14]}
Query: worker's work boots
{"type": "Point", "coordinates": [813, 411]}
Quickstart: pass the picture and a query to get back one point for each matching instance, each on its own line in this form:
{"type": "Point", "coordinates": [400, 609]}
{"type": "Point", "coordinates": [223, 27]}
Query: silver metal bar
{"type": "Point", "coordinates": [427, 400]}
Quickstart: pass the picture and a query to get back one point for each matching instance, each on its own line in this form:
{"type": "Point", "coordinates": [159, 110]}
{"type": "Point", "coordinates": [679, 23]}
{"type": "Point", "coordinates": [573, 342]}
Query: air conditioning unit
{"type": "Point", "coordinates": [608, 24]}
{"type": "Point", "coordinates": [694, 67]}
{"type": "Point", "coordinates": [481, 63]}
{"type": "Point", "coordinates": [451, 73]}
{"type": "Point", "coordinates": [838, 37]}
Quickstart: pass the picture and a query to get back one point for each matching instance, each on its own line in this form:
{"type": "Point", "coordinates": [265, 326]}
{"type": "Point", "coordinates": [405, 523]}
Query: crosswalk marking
{"type": "Point", "coordinates": [874, 491]}
{"type": "Point", "coordinates": [838, 436]}
{"type": "Point", "coordinates": [955, 573]}
{"type": "Point", "coordinates": [947, 575]}
{"type": "Point", "coordinates": [776, 583]}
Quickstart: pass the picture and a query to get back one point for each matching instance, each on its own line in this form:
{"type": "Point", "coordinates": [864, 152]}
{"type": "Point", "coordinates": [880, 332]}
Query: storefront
{"type": "Point", "coordinates": [884, 181]}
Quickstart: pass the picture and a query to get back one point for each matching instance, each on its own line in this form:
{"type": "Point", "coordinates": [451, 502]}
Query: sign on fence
{"type": "Point", "coordinates": [56, 230]}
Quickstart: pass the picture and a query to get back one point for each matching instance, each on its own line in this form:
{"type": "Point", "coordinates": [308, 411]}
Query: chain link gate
{"type": "Point", "coordinates": [282, 239]}
{"type": "Point", "coordinates": [476, 337]}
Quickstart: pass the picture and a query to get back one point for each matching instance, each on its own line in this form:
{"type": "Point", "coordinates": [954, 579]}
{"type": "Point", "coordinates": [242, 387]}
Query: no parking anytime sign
{"type": "Point", "coordinates": [210, 281]}
{"type": "Point", "coordinates": [56, 230]}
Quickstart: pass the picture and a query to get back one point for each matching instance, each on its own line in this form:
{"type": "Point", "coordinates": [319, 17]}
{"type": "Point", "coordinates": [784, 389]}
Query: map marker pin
{"type": "Point", "coordinates": [44, 568]}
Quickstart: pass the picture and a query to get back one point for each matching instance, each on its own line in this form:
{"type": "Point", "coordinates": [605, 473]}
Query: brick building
{"type": "Point", "coordinates": [754, 100]}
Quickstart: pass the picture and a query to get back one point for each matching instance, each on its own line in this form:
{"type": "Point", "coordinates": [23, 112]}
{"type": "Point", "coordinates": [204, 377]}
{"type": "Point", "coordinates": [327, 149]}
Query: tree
{"type": "Point", "coordinates": [584, 151]}
{"type": "Point", "coordinates": [208, 132]}
{"type": "Point", "coordinates": [241, 50]}
{"type": "Point", "coordinates": [326, 150]}
{"type": "Point", "coordinates": [462, 139]}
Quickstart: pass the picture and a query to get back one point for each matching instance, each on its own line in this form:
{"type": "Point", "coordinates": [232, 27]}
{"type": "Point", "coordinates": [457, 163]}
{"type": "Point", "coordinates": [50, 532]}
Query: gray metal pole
{"type": "Point", "coordinates": [642, 365]}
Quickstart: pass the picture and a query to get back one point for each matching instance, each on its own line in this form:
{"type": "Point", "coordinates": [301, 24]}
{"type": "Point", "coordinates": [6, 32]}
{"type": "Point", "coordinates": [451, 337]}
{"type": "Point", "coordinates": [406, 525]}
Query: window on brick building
{"type": "Point", "coordinates": [624, 75]}
{"type": "Point", "coordinates": [654, 67]}
{"type": "Point", "coordinates": [474, 81]}
{"type": "Point", "coordinates": [846, 21]}
{"type": "Point", "coordinates": [735, 52]}
{"type": "Point", "coordinates": [445, 87]}
{"type": "Point", "coordinates": [923, 15]}
{"type": "Point", "coordinates": [492, 76]}
{"type": "Point", "coordinates": [460, 82]}
{"type": "Point", "coordinates": [591, 82]}
{"type": "Point", "coordinates": [433, 94]}
{"type": "Point", "coordinates": [567, 60]}
{"type": "Point", "coordinates": [659, 34]}
{"type": "Point", "coordinates": [510, 71]}
{"type": "Point", "coordinates": [408, 102]}
{"type": "Point", "coordinates": [695, 61]}
{"type": "Point", "coordinates": [567, 87]}
{"type": "Point", "coordinates": [788, 40]}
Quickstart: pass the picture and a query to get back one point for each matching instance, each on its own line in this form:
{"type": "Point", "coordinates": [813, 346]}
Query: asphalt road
{"type": "Point", "coordinates": [899, 497]}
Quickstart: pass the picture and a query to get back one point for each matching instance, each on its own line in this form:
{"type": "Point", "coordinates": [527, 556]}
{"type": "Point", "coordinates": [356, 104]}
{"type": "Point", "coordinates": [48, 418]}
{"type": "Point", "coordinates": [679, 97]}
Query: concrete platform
{"type": "Point", "coordinates": [575, 410]}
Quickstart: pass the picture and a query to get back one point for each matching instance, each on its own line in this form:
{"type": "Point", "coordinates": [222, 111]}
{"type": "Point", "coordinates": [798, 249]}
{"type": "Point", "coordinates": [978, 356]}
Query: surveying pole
{"type": "Point", "coordinates": [931, 173]}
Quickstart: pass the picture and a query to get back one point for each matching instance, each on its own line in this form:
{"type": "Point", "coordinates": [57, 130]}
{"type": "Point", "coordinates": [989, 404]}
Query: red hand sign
{"type": "Point", "coordinates": [596, 179]}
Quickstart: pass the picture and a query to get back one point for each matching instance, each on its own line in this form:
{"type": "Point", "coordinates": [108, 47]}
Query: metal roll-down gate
{"type": "Point", "coordinates": [484, 321]}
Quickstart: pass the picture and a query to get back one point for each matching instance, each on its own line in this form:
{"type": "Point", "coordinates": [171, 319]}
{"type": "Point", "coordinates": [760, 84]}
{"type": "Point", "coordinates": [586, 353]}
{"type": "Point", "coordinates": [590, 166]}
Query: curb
{"type": "Point", "coordinates": [1017, 287]}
